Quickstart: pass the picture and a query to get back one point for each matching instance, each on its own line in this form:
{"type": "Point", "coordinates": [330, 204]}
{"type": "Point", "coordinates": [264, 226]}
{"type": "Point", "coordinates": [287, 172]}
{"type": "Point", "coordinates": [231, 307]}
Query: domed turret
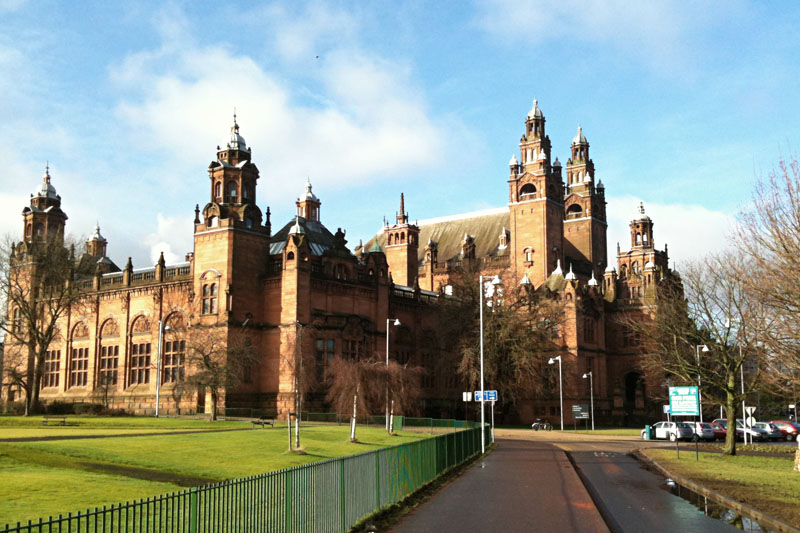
{"type": "Point", "coordinates": [535, 112]}
{"type": "Point", "coordinates": [46, 189]}
{"type": "Point", "coordinates": [580, 138]}
{"type": "Point", "coordinates": [235, 141]}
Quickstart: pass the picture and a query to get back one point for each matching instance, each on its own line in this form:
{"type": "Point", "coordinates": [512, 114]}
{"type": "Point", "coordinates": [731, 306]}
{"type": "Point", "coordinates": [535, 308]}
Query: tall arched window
{"type": "Point", "coordinates": [79, 356]}
{"type": "Point", "coordinates": [218, 190]}
{"type": "Point", "coordinates": [232, 190]}
{"type": "Point", "coordinates": [209, 298]}
{"type": "Point", "coordinates": [140, 351]}
{"type": "Point", "coordinates": [108, 367]}
{"type": "Point", "coordinates": [174, 350]}
{"type": "Point", "coordinates": [638, 239]}
{"type": "Point", "coordinates": [527, 191]}
{"type": "Point", "coordinates": [29, 230]}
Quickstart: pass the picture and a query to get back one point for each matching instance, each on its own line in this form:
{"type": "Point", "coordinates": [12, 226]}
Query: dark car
{"type": "Point", "coordinates": [790, 430]}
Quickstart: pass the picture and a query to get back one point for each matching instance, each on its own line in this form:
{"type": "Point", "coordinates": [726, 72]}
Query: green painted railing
{"type": "Point", "coordinates": [330, 495]}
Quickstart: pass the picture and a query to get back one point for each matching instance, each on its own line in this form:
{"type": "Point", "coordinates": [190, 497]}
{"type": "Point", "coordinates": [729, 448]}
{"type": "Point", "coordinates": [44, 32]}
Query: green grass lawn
{"type": "Point", "coordinates": [119, 422]}
{"type": "Point", "coordinates": [766, 483]}
{"type": "Point", "coordinates": [68, 475]}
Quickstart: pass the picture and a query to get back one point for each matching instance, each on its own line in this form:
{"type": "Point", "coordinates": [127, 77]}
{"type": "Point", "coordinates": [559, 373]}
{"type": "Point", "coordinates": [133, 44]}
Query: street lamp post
{"type": "Point", "coordinates": [388, 325]}
{"type": "Point", "coordinates": [699, 394]}
{"type": "Point", "coordinates": [560, 388]}
{"type": "Point", "coordinates": [591, 394]}
{"type": "Point", "coordinates": [161, 330]}
{"type": "Point", "coordinates": [495, 281]}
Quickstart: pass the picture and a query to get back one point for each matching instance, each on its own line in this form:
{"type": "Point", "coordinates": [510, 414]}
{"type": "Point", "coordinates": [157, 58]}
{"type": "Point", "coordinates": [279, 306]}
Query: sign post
{"type": "Point", "coordinates": [683, 401]}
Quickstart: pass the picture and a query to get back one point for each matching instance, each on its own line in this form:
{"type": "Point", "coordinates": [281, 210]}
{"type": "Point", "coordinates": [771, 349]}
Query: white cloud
{"type": "Point", "coordinates": [172, 237]}
{"type": "Point", "coordinates": [366, 119]}
{"type": "Point", "coordinates": [690, 230]}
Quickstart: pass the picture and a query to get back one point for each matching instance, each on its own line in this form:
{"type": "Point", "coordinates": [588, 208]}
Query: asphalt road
{"type": "Point", "coordinates": [529, 484]}
{"type": "Point", "coordinates": [522, 486]}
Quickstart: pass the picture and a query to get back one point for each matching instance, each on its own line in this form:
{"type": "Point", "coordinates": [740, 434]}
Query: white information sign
{"type": "Point", "coordinates": [684, 401]}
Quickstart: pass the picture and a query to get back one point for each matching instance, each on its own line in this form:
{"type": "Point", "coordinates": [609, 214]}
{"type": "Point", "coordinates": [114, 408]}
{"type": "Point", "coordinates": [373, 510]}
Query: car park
{"type": "Point", "coordinates": [671, 430]}
{"type": "Point", "coordinates": [789, 430]}
{"type": "Point", "coordinates": [753, 434]}
{"type": "Point", "coordinates": [773, 433]}
{"type": "Point", "coordinates": [703, 430]}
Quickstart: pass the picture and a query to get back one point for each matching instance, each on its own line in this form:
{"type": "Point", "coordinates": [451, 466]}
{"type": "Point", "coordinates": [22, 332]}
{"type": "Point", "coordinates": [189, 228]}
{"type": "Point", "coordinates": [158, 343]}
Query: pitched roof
{"type": "Point", "coordinates": [319, 237]}
{"type": "Point", "coordinates": [448, 232]}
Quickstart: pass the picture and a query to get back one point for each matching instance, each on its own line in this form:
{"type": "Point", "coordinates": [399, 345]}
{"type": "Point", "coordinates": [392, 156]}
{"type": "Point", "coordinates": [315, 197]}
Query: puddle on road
{"type": "Point", "coordinates": [714, 509]}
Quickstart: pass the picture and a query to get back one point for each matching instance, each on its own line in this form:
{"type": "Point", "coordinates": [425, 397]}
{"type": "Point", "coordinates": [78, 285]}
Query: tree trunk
{"type": "Point", "coordinates": [353, 419]}
{"type": "Point", "coordinates": [730, 414]}
{"type": "Point", "coordinates": [213, 405]}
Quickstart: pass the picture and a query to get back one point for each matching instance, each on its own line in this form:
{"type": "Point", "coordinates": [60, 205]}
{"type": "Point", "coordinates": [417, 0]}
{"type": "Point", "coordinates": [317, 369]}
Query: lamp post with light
{"type": "Point", "coordinates": [161, 330]}
{"type": "Point", "coordinates": [489, 292]}
{"type": "Point", "coordinates": [704, 348]}
{"type": "Point", "coordinates": [389, 323]}
{"type": "Point", "coordinates": [591, 394]}
{"type": "Point", "coordinates": [560, 387]}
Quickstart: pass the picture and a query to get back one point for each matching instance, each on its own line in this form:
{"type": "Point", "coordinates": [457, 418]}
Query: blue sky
{"type": "Point", "coordinates": [684, 106]}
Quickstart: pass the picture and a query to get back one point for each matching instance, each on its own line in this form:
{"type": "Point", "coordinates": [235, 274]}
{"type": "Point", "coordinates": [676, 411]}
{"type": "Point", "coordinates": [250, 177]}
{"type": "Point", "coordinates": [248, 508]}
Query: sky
{"type": "Point", "coordinates": [684, 105]}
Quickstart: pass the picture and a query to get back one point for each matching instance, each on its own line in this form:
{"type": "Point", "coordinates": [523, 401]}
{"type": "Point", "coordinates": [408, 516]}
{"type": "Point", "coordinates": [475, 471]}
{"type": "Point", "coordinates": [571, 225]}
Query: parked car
{"type": "Point", "coordinates": [753, 434]}
{"type": "Point", "coordinates": [671, 430]}
{"type": "Point", "coordinates": [773, 433]}
{"type": "Point", "coordinates": [720, 431]}
{"type": "Point", "coordinates": [703, 430]}
{"type": "Point", "coordinates": [789, 430]}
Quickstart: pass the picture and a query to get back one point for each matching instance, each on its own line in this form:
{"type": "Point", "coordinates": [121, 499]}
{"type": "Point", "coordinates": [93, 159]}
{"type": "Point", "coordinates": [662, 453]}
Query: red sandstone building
{"type": "Point", "coordinates": [303, 280]}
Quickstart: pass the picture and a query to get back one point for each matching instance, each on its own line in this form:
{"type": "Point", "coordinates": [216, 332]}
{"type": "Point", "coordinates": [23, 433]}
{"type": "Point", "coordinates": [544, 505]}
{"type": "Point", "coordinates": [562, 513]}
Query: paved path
{"type": "Point", "coordinates": [523, 486]}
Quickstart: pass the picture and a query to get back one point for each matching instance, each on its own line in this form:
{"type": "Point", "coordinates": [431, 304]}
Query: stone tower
{"type": "Point", "coordinates": [536, 204]}
{"type": "Point", "coordinates": [585, 247]}
{"type": "Point", "coordinates": [402, 245]}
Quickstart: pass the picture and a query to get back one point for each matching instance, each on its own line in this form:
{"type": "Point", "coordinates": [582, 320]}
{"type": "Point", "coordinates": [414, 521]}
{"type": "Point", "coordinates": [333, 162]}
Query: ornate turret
{"type": "Point", "coordinates": [308, 204]}
{"type": "Point", "coordinates": [44, 216]}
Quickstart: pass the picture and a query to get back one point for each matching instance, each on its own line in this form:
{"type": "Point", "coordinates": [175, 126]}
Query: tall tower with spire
{"type": "Point", "coordinates": [402, 246]}
{"type": "Point", "coordinates": [535, 202]}
{"type": "Point", "coordinates": [585, 225]}
{"type": "Point", "coordinates": [231, 239]}
{"type": "Point", "coordinates": [44, 217]}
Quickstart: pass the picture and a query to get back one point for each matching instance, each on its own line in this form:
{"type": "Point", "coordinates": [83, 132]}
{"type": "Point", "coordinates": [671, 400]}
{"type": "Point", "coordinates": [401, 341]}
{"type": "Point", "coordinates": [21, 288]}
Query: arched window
{"type": "Point", "coordinates": [232, 190]}
{"type": "Point", "coordinates": [638, 239]}
{"type": "Point", "coordinates": [623, 271]}
{"type": "Point", "coordinates": [574, 211]}
{"type": "Point", "coordinates": [16, 321]}
{"type": "Point", "coordinates": [140, 351]}
{"type": "Point", "coordinates": [39, 229]}
{"type": "Point", "coordinates": [108, 363]}
{"type": "Point", "coordinates": [644, 238]}
{"type": "Point", "coordinates": [527, 192]}
{"type": "Point", "coordinates": [174, 356]}
{"type": "Point", "coordinates": [213, 222]}
{"type": "Point", "coordinates": [529, 255]}
{"type": "Point", "coordinates": [402, 238]}
{"type": "Point", "coordinates": [209, 298]}
{"type": "Point", "coordinates": [78, 370]}
{"type": "Point", "coordinates": [635, 267]}
{"type": "Point", "coordinates": [290, 256]}
{"type": "Point", "coordinates": [390, 239]}
{"type": "Point", "coordinates": [218, 190]}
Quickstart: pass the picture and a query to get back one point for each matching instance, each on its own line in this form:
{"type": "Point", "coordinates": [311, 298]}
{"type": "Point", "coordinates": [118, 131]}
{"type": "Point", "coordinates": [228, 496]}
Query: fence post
{"type": "Point", "coordinates": [341, 495]}
{"type": "Point", "coordinates": [288, 498]}
{"type": "Point", "coordinates": [377, 480]}
{"type": "Point", "coordinates": [194, 510]}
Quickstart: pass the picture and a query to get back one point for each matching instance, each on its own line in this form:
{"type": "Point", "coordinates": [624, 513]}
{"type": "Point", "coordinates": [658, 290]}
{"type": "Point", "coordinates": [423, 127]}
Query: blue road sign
{"type": "Point", "coordinates": [488, 396]}
{"type": "Point", "coordinates": [684, 401]}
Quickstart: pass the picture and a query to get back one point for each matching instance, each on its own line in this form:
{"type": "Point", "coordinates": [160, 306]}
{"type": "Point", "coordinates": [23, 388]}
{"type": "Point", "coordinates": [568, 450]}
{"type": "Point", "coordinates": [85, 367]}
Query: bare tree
{"type": "Point", "coordinates": [708, 307]}
{"type": "Point", "coordinates": [40, 283]}
{"type": "Point", "coordinates": [769, 235]}
{"type": "Point", "coordinates": [216, 360]}
{"type": "Point", "coordinates": [404, 389]}
{"type": "Point", "coordinates": [355, 386]}
{"type": "Point", "coordinates": [522, 329]}
{"type": "Point", "coordinates": [301, 365]}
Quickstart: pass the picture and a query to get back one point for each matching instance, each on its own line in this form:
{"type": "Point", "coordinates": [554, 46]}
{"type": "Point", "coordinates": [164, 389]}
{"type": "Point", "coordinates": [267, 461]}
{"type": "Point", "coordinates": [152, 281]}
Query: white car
{"type": "Point", "coordinates": [703, 430]}
{"type": "Point", "coordinates": [671, 430]}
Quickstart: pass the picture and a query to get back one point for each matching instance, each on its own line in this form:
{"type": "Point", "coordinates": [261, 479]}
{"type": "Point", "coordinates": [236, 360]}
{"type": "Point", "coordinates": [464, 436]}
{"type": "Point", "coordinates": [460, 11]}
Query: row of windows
{"type": "Point", "coordinates": [231, 190]}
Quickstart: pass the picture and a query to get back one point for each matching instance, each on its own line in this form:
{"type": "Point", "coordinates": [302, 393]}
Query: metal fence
{"type": "Point", "coordinates": [330, 495]}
